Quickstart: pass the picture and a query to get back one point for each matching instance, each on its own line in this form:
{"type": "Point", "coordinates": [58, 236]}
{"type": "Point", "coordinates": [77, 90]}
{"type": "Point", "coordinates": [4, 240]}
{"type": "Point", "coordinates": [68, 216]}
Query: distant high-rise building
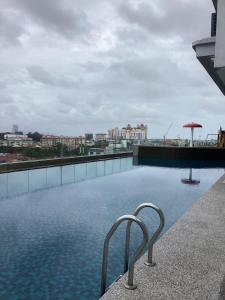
{"type": "Point", "coordinates": [113, 134]}
{"type": "Point", "coordinates": [15, 128]}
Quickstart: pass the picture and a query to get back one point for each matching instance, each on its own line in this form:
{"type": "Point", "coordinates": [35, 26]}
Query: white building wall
{"type": "Point", "coordinates": [220, 35]}
{"type": "Point", "coordinates": [134, 133]}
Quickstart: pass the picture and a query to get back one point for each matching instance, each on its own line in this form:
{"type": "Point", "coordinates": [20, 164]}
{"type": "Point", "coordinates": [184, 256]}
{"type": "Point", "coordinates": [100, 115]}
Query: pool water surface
{"type": "Point", "coordinates": [53, 222]}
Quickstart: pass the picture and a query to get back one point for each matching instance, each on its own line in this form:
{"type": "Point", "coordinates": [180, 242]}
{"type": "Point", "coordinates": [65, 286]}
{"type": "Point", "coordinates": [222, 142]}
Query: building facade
{"type": "Point", "coordinates": [100, 137]}
{"type": "Point", "coordinates": [138, 133]}
{"type": "Point", "coordinates": [114, 134]}
{"type": "Point", "coordinates": [16, 140]}
{"type": "Point", "coordinates": [89, 136]}
{"type": "Point", "coordinates": [72, 143]}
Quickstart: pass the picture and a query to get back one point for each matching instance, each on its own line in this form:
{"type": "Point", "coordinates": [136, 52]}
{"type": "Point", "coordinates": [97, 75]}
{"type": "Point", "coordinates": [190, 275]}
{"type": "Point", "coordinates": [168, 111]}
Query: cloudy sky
{"type": "Point", "coordinates": [73, 66]}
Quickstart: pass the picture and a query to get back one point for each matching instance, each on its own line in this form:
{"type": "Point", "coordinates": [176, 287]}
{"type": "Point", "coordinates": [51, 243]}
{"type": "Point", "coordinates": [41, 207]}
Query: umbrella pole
{"type": "Point", "coordinates": [192, 136]}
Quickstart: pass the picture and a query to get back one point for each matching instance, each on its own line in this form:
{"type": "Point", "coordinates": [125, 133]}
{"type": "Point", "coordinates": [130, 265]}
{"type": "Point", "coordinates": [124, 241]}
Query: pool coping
{"type": "Point", "coordinates": [190, 256]}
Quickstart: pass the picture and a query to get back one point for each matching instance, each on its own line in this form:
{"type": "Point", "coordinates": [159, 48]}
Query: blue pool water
{"type": "Point", "coordinates": [53, 222]}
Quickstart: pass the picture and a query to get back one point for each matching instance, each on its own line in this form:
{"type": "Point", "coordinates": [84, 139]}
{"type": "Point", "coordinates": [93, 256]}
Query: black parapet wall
{"type": "Point", "coordinates": [46, 163]}
{"type": "Point", "coordinates": [179, 156]}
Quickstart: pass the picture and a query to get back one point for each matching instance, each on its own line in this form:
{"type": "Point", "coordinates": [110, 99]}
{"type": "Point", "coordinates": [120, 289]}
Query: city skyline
{"type": "Point", "coordinates": [168, 132]}
{"type": "Point", "coordinates": [69, 68]}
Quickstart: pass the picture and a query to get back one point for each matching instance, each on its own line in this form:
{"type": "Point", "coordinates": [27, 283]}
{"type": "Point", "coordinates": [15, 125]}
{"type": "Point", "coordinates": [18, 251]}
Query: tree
{"type": "Point", "coordinates": [36, 136]}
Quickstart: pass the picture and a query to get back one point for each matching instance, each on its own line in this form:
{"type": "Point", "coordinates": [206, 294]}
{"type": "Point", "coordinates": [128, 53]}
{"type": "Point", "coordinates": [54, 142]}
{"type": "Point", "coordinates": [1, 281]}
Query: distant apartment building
{"type": "Point", "coordinates": [114, 134]}
{"type": "Point", "coordinates": [89, 136]}
{"type": "Point", "coordinates": [100, 137]}
{"type": "Point", "coordinates": [138, 133]}
{"type": "Point", "coordinates": [16, 140]}
{"type": "Point", "coordinates": [72, 143]}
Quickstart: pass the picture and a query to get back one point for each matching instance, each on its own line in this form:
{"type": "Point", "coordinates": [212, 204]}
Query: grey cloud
{"type": "Point", "coordinates": [11, 81]}
{"type": "Point", "coordinates": [137, 66]}
{"type": "Point", "coordinates": [210, 108]}
{"type": "Point", "coordinates": [149, 77]}
{"type": "Point", "coordinates": [138, 69]}
{"type": "Point", "coordinates": [10, 28]}
{"type": "Point", "coordinates": [93, 67]}
{"type": "Point", "coordinates": [2, 85]}
{"type": "Point", "coordinates": [54, 15]}
{"type": "Point", "coordinates": [39, 74]}
{"type": "Point", "coordinates": [132, 36]}
{"type": "Point", "coordinates": [6, 99]}
{"type": "Point", "coordinates": [166, 18]}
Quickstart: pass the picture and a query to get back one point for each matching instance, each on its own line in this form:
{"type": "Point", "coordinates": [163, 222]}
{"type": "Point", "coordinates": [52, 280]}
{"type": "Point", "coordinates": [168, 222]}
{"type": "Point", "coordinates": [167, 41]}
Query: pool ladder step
{"type": "Point", "coordinates": [146, 241]}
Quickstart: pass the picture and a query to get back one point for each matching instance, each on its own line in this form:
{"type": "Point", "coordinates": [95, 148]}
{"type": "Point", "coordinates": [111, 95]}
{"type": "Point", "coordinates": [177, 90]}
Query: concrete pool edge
{"type": "Point", "coordinates": [190, 256]}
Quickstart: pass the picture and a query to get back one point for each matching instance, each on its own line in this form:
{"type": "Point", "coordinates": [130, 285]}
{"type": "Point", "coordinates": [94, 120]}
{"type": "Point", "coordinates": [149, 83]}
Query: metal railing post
{"type": "Point", "coordinates": [151, 241]}
{"type": "Point", "coordinates": [138, 252]}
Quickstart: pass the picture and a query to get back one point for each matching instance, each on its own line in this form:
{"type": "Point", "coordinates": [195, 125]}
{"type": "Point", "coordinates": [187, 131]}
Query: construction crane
{"type": "Point", "coordinates": [165, 135]}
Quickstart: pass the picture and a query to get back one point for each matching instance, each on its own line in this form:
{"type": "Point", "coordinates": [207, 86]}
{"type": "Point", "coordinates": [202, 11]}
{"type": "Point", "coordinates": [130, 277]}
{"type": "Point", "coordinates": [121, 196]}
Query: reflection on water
{"type": "Point", "coordinates": [18, 183]}
{"type": "Point", "coordinates": [190, 179]}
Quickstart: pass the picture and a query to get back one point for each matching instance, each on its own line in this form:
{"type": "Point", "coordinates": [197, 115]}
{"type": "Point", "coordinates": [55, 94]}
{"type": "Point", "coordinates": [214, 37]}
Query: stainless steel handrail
{"type": "Point", "coordinates": [151, 241]}
{"type": "Point", "coordinates": [138, 252]}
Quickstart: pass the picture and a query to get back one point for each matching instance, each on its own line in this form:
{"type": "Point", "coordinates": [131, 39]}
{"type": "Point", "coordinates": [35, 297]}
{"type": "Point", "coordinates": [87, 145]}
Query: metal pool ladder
{"type": "Point", "coordinates": [138, 252]}
{"type": "Point", "coordinates": [146, 241]}
{"type": "Point", "coordinates": [151, 241]}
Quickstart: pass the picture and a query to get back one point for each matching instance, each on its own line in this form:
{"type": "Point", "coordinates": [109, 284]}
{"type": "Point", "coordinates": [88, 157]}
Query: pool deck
{"type": "Point", "coordinates": [190, 257]}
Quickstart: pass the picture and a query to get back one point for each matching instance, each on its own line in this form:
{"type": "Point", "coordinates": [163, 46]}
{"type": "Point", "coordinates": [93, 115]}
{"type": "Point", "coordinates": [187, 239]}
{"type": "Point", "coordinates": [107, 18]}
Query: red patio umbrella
{"type": "Point", "coordinates": [192, 126]}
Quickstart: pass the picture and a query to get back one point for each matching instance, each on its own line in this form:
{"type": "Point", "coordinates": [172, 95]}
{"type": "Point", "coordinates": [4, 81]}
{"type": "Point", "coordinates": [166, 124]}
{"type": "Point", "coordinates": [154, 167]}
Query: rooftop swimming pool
{"type": "Point", "coordinates": [53, 222]}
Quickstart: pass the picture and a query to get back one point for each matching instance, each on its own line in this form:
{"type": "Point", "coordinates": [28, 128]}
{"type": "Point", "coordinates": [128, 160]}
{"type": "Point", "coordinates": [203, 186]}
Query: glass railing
{"type": "Point", "coordinates": [16, 183]}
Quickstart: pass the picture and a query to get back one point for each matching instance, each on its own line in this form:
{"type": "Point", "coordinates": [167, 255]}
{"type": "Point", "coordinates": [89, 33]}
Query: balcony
{"type": "Point", "coordinates": [211, 51]}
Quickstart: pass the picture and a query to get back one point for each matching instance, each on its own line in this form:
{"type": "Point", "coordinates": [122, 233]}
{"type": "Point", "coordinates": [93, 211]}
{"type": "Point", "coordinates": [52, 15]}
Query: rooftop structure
{"type": "Point", "coordinates": [210, 51]}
